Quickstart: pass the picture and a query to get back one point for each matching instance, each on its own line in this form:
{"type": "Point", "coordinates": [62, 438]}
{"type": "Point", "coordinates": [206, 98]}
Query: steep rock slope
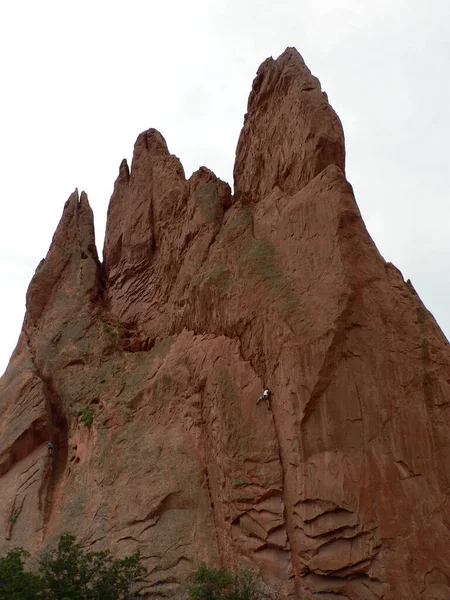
{"type": "Point", "coordinates": [340, 487]}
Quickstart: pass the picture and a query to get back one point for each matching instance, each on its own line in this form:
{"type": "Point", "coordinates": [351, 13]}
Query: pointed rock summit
{"type": "Point", "coordinates": [338, 487]}
{"type": "Point", "coordinates": [72, 260]}
{"type": "Point", "coordinates": [290, 131]}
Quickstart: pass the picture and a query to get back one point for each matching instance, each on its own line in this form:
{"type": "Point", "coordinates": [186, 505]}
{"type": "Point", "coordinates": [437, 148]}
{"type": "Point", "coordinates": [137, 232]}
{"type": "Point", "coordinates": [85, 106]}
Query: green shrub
{"type": "Point", "coordinates": [210, 584]}
{"type": "Point", "coordinates": [88, 416]}
{"type": "Point", "coordinates": [220, 584]}
{"type": "Point", "coordinates": [70, 573]}
{"type": "Point", "coordinates": [14, 515]}
{"type": "Point", "coordinates": [15, 583]}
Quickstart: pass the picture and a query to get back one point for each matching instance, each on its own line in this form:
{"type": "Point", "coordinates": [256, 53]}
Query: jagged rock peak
{"type": "Point", "coordinates": [75, 208]}
{"type": "Point", "coordinates": [152, 142]}
{"type": "Point", "coordinates": [124, 172]}
{"type": "Point", "coordinates": [290, 131]}
{"type": "Point", "coordinates": [134, 220]}
{"type": "Point", "coordinates": [73, 242]}
{"type": "Point", "coordinates": [76, 225]}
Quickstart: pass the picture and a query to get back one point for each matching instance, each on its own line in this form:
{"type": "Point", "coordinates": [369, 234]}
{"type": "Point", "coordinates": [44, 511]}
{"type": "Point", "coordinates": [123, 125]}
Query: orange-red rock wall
{"type": "Point", "coordinates": [338, 489]}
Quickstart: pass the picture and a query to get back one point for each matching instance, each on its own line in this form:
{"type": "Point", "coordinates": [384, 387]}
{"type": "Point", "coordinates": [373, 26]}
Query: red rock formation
{"type": "Point", "coordinates": [340, 488]}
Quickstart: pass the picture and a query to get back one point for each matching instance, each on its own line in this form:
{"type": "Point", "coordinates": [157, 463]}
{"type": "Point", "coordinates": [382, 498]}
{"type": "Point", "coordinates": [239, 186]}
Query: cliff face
{"type": "Point", "coordinates": [341, 486]}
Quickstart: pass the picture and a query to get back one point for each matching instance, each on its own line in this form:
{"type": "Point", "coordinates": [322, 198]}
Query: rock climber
{"type": "Point", "coordinates": [265, 396]}
{"type": "Point", "coordinates": [50, 448]}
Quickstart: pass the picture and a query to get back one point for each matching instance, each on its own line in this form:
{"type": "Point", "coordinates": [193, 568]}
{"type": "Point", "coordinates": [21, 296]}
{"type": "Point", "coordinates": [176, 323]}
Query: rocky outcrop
{"type": "Point", "coordinates": [290, 133]}
{"type": "Point", "coordinates": [339, 488]}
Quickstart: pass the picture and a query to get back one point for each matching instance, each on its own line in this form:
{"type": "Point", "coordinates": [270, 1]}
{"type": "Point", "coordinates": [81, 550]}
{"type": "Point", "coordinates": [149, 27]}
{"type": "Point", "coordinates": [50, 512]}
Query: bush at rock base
{"type": "Point", "coordinates": [220, 584]}
{"type": "Point", "coordinates": [70, 573]}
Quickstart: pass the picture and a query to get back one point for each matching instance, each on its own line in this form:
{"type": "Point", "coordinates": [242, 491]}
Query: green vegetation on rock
{"type": "Point", "coordinates": [15, 582]}
{"type": "Point", "coordinates": [258, 260]}
{"type": "Point", "coordinates": [220, 584]}
{"type": "Point", "coordinates": [70, 573]}
{"type": "Point", "coordinates": [207, 199]}
{"type": "Point", "coordinates": [87, 416]}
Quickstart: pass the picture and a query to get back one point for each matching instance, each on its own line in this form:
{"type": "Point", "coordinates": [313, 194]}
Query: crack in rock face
{"type": "Point", "coordinates": [145, 373]}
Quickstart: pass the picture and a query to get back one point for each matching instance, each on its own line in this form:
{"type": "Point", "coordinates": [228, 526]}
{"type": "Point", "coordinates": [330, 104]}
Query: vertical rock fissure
{"type": "Point", "coordinates": [13, 516]}
{"type": "Point", "coordinates": [57, 461]}
{"type": "Point", "coordinates": [284, 495]}
{"type": "Point", "coordinates": [220, 550]}
{"type": "Point", "coordinates": [286, 516]}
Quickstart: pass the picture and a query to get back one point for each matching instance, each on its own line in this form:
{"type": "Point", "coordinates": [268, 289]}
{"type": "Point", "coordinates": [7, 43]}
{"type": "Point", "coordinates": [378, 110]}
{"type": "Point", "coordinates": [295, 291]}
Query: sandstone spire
{"type": "Point", "coordinates": [290, 131]}
{"type": "Point", "coordinates": [337, 487]}
{"type": "Point", "coordinates": [72, 260]}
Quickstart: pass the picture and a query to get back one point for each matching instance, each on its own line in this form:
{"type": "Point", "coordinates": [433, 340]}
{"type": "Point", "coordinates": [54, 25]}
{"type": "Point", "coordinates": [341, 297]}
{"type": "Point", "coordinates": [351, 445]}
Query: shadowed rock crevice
{"type": "Point", "coordinates": [58, 429]}
{"type": "Point", "coordinates": [33, 437]}
{"type": "Point", "coordinates": [205, 438]}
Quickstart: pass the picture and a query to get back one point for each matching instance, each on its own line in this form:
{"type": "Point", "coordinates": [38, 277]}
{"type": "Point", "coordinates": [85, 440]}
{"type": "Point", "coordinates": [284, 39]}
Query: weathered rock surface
{"type": "Point", "coordinates": [341, 488]}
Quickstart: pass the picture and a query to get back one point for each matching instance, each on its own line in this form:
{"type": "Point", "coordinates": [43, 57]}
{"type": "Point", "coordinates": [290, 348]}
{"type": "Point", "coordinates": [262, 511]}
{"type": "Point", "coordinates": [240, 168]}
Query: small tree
{"type": "Point", "coordinates": [73, 574]}
{"type": "Point", "coordinates": [220, 584]}
{"type": "Point", "coordinates": [70, 573]}
{"type": "Point", "coordinates": [15, 583]}
{"type": "Point", "coordinates": [210, 584]}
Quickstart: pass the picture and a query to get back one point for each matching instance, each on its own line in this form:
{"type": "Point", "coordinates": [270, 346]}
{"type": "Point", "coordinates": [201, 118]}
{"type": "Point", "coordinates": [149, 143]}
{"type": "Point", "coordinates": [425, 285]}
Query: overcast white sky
{"type": "Point", "coordinates": [80, 80]}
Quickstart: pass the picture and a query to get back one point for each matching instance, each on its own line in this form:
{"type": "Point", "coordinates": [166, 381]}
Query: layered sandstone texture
{"type": "Point", "coordinates": [340, 489]}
